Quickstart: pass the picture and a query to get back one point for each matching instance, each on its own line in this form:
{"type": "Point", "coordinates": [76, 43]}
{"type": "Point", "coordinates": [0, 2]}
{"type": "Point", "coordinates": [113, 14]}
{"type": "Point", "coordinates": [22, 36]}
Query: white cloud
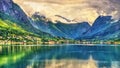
{"type": "Point", "coordinates": [81, 10]}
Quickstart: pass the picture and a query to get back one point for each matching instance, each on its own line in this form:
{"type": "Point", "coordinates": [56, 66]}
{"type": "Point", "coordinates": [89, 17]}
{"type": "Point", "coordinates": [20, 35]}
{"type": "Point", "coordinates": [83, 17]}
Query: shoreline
{"type": "Point", "coordinates": [66, 42]}
{"type": "Point", "coordinates": [60, 44]}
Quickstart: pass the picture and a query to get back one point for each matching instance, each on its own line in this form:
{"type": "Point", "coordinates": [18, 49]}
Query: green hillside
{"type": "Point", "coordinates": [11, 33]}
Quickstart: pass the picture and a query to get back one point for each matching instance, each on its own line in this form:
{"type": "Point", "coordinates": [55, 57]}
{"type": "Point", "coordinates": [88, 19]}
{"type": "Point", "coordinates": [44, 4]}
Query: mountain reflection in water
{"type": "Point", "coordinates": [72, 63]}
{"type": "Point", "coordinates": [65, 56]}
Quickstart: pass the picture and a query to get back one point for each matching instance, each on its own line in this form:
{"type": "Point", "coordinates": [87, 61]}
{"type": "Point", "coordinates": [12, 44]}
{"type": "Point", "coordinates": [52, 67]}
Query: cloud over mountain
{"type": "Point", "coordinates": [79, 10]}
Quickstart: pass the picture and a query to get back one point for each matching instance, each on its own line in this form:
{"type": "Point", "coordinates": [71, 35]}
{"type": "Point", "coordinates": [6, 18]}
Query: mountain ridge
{"type": "Point", "coordinates": [101, 29]}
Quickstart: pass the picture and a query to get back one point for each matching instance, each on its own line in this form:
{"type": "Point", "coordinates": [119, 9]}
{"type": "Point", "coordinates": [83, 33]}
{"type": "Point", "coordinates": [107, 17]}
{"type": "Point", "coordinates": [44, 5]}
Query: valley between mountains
{"type": "Point", "coordinates": [18, 28]}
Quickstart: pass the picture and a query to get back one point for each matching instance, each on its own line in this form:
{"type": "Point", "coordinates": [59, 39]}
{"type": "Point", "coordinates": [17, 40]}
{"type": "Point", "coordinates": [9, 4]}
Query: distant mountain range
{"type": "Point", "coordinates": [104, 27]}
{"type": "Point", "coordinates": [71, 31]}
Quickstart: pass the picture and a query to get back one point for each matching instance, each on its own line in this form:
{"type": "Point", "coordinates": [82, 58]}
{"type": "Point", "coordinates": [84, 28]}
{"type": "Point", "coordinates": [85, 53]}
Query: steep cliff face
{"type": "Point", "coordinates": [12, 12]}
{"type": "Point", "coordinates": [103, 28]}
{"type": "Point", "coordinates": [111, 31]}
{"type": "Point", "coordinates": [100, 23]}
{"type": "Point", "coordinates": [5, 4]}
{"type": "Point", "coordinates": [8, 7]}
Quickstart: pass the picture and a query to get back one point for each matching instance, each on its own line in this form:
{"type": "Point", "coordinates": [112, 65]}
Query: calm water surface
{"type": "Point", "coordinates": [62, 56]}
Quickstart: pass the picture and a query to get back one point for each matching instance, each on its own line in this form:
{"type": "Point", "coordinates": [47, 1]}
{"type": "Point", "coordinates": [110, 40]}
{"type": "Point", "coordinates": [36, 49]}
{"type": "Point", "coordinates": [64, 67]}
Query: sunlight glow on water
{"type": "Point", "coordinates": [71, 63]}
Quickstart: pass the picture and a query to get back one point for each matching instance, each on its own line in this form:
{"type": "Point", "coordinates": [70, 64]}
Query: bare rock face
{"type": "Point", "coordinates": [13, 10]}
{"type": "Point", "coordinates": [5, 5]}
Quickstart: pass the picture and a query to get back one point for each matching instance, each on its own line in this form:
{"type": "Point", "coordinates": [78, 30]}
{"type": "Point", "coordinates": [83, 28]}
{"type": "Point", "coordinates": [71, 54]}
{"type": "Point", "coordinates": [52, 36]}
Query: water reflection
{"type": "Point", "coordinates": [72, 56]}
{"type": "Point", "coordinates": [71, 63]}
{"type": "Point", "coordinates": [0, 49]}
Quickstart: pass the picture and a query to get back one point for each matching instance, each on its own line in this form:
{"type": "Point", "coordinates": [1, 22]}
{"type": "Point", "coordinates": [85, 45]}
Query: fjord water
{"type": "Point", "coordinates": [60, 56]}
